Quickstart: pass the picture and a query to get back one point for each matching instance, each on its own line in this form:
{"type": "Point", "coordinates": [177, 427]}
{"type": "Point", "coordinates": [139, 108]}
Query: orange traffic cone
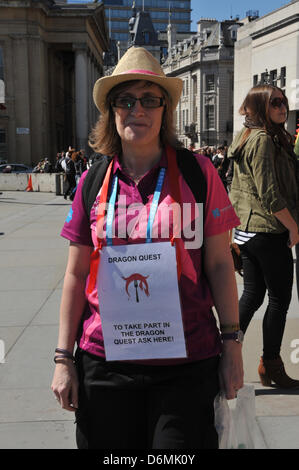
{"type": "Point", "coordinates": [29, 186]}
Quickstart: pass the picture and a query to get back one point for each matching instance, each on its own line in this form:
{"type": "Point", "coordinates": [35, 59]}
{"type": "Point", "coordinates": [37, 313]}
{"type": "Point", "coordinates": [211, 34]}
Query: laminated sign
{"type": "Point", "coordinates": [139, 302]}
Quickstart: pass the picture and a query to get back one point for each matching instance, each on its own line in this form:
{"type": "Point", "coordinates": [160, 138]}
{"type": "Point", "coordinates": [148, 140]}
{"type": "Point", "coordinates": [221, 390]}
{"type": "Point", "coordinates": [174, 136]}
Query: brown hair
{"type": "Point", "coordinates": [104, 137]}
{"type": "Point", "coordinates": [256, 109]}
{"type": "Point", "coordinates": [75, 156]}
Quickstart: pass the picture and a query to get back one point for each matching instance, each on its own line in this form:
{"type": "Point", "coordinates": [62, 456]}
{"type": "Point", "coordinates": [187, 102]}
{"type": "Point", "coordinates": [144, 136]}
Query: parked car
{"type": "Point", "coordinates": [15, 168]}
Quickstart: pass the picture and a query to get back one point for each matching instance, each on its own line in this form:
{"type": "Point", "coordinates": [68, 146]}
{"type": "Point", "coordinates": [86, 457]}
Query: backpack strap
{"type": "Point", "coordinates": [187, 164]}
{"type": "Point", "coordinates": [192, 174]}
{"type": "Point", "coordinates": [93, 182]}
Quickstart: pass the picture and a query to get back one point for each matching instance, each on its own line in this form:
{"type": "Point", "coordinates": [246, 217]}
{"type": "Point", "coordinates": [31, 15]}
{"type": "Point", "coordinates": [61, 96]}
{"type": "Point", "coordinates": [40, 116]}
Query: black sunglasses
{"type": "Point", "coordinates": [128, 102]}
{"type": "Point", "coordinates": [277, 102]}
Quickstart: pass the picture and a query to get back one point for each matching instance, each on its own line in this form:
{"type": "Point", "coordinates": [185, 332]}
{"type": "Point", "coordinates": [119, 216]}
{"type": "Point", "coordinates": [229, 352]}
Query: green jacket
{"type": "Point", "coordinates": [265, 181]}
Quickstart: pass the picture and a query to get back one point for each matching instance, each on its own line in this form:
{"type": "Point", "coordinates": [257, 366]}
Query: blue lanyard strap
{"type": "Point", "coordinates": [111, 210]}
{"type": "Point", "coordinates": [154, 205]}
{"type": "Point", "coordinates": [153, 209]}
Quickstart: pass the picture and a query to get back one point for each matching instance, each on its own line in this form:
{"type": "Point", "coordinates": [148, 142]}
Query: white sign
{"type": "Point", "coordinates": [23, 130]}
{"type": "Point", "coordinates": [139, 302]}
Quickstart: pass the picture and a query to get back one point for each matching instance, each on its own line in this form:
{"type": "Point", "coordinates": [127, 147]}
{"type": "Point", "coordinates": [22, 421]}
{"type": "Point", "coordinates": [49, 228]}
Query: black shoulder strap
{"type": "Point", "coordinates": [187, 164]}
{"type": "Point", "coordinates": [192, 174]}
{"type": "Point", "coordinates": [93, 182]}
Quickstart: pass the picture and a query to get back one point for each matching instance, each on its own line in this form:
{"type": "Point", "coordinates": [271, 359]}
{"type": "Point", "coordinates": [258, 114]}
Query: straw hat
{"type": "Point", "coordinates": [136, 64]}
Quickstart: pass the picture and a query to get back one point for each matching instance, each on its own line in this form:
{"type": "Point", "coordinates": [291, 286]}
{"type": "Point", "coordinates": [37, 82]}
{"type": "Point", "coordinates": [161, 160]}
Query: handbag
{"type": "Point", "coordinates": [236, 255]}
{"type": "Point", "coordinates": [235, 419]}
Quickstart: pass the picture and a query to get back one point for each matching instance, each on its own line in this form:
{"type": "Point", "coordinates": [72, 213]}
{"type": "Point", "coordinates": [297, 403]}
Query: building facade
{"type": "Point", "coordinates": [205, 63]}
{"type": "Point", "coordinates": [50, 57]}
{"type": "Point", "coordinates": [118, 13]}
{"type": "Point", "coordinates": [267, 51]}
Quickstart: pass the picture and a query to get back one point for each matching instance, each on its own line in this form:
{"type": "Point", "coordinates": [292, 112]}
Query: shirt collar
{"type": "Point", "coordinates": [162, 163]}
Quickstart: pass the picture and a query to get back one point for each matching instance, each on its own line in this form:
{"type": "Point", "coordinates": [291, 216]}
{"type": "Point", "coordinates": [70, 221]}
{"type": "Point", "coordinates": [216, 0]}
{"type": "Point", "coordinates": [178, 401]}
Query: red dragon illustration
{"type": "Point", "coordinates": [143, 285]}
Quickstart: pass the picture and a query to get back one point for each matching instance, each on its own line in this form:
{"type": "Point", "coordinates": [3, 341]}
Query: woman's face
{"type": "Point", "coordinates": [278, 108]}
{"type": "Point", "coordinates": [139, 125]}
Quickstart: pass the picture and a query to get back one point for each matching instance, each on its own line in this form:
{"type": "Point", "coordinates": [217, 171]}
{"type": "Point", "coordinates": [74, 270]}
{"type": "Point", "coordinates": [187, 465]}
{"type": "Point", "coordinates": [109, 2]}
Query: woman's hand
{"type": "Point", "coordinates": [231, 369]}
{"type": "Point", "coordinates": [65, 385]}
{"type": "Point", "coordinates": [293, 237]}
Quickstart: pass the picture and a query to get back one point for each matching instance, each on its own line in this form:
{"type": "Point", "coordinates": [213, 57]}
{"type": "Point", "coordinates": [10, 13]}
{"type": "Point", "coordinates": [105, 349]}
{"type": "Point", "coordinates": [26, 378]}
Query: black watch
{"type": "Point", "coordinates": [235, 336]}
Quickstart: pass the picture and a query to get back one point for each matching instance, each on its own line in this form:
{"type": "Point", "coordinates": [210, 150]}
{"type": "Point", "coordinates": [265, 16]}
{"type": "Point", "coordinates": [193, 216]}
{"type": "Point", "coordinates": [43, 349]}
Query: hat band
{"type": "Point", "coordinates": [145, 72]}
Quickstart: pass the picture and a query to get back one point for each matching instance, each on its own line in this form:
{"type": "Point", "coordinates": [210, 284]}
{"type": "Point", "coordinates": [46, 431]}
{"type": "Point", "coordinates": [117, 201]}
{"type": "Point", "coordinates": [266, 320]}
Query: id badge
{"type": "Point", "coordinates": [139, 302]}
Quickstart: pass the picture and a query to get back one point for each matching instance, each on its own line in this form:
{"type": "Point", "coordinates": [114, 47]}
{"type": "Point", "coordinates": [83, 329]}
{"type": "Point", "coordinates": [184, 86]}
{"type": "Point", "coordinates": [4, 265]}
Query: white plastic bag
{"type": "Point", "coordinates": [235, 419]}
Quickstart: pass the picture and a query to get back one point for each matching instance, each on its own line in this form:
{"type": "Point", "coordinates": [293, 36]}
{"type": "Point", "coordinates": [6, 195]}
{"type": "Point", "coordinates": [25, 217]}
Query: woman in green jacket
{"type": "Point", "coordinates": [265, 195]}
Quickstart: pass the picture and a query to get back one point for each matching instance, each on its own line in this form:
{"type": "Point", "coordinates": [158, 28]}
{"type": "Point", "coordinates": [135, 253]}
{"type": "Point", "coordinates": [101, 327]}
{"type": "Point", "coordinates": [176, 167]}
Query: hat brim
{"type": "Point", "coordinates": [102, 87]}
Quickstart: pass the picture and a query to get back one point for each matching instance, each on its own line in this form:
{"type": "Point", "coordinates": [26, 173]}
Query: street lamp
{"type": "Point", "coordinates": [267, 79]}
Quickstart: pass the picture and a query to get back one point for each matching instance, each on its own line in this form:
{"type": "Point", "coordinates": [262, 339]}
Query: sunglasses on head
{"type": "Point", "coordinates": [128, 102]}
{"type": "Point", "coordinates": [277, 102]}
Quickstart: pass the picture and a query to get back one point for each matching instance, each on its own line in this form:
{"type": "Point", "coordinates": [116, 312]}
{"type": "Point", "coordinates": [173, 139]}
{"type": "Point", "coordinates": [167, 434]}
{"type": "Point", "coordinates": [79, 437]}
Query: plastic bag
{"type": "Point", "coordinates": [235, 419]}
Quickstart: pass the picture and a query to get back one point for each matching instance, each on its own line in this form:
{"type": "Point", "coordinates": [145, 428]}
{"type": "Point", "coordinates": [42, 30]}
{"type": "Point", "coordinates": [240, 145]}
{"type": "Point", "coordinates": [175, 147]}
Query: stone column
{"type": "Point", "coordinates": [81, 95]}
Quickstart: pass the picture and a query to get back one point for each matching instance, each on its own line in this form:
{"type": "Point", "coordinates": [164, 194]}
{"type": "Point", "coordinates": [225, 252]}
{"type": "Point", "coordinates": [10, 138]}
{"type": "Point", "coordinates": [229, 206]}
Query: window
{"type": "Point", "coordinates": [255, 80]}
{"type": "Point", "coordinates": [2, 136]}
{"type": "Point", "coordinates": [119, 36]}
{"type": "Point", "coordinates": [210, 116]}
{"type": "Point", "coordinates": [146, 37]}
{"type": "Point", "coordinates": [195, 114]}
{"type": "Point", "coordinates": [263, 78]}
{"type": "Point", "coordinates": [194, 81]}
{"type": "Point", "coordinates": [3, 144]}
{"type": "Point", "coordinates": [273, 77]}
{"type": "Point", "coordinates": [113, 2]}
{"type": "Point", "coordinates": [1, 65]}
{"type": "Point", "coordinates": [210, 82]}
{"type": "Point", "coordinates": [283, 76]}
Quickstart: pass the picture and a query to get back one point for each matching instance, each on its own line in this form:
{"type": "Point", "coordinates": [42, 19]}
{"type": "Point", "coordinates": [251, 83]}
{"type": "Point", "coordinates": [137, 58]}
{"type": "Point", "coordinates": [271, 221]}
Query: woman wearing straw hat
{"type": "Point", "coordinates": [137, 297]}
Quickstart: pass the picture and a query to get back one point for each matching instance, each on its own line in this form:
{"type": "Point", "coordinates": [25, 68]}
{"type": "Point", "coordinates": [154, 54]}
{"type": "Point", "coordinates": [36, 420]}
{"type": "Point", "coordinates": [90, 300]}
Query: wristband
{"type": "Point", "coordinates": [65, 353]}
{"type": "Point", "coordinates": [61, 356]}
{"type": "Point", "coordinates": [229, 328]}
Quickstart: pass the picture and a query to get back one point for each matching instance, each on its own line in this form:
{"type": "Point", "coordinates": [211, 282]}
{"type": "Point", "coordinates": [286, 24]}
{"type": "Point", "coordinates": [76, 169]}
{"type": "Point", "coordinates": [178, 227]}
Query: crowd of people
{"type": "Point", "coordinates": [218, 156]}
{"type": "Point", "coordinates": [72, 163]}
{"type": "Point", "coordinates": [43, 166]}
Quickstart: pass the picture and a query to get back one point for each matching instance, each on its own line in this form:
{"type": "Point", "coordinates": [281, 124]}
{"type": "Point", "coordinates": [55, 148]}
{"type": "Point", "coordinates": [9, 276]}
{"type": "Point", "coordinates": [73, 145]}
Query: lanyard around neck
{"type": "Point", "coordinates": [174, 186]}
{"type": "Point", "coordinates": [153, 209]}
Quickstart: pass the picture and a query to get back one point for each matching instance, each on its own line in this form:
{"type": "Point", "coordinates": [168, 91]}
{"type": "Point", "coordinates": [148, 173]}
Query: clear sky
{"type": "Point", "coordinates": [224, 9]}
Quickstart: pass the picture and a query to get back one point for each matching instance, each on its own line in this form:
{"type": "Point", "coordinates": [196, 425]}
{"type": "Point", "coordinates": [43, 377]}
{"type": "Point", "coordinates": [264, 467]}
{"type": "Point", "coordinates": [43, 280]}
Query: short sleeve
{"type": "Point", "coordinates": [219, 212]}
{"type": "Point", "coordinates": [77, 227]}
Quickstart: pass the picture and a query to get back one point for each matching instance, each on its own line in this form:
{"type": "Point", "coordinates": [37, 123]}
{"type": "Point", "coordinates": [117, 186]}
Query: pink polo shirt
{"type": "Point", "coordinates": [201, 333]}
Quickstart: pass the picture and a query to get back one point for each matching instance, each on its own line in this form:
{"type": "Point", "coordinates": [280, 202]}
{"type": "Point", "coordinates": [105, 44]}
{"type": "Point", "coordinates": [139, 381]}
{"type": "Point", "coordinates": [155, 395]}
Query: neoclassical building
{"type": "Point", "coordinates": [205, 63]}
{"type": "Point", "coordinates": [267, 51]}
{"type": "Point", "coordinates": [50, 56]}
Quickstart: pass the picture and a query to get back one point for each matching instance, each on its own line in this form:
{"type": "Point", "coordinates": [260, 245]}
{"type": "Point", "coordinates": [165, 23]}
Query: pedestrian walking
{"type": "Point", "coordinates": [162, 397]}
{"type": "Point", "coordinates": [265, 195]}
{"type": "Point", "coordinates": [70, 174]}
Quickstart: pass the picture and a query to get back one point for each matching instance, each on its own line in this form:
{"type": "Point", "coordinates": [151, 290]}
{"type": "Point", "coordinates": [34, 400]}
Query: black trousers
{"type": "Point", "coordinates": [70, 184]}
{"type": "Point", "coordinates": [132, 406]}
{"type": "Point", "coordinates": [268, 266]}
